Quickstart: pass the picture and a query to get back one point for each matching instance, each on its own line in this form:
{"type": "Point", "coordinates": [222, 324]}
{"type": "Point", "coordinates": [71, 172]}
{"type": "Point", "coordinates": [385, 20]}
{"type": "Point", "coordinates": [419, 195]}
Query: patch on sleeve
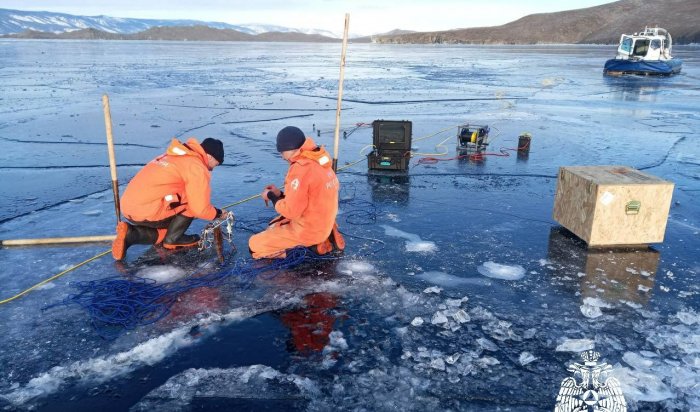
{"type": "Point", "coordinates": [295, 184]}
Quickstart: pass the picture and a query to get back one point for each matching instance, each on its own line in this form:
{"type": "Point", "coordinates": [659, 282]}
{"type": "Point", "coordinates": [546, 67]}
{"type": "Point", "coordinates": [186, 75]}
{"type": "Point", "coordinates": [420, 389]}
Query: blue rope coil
{"type": "Point", "coordinates": [118, 304]}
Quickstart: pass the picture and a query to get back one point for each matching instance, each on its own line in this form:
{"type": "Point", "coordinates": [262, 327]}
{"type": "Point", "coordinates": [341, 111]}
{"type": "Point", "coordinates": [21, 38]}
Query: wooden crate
{"type": "Point", "coordinates": [612, 205]}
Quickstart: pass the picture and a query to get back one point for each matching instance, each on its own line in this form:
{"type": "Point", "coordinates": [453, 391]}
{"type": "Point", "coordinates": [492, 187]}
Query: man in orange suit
{"type": "Point", "coordinates": [167, 194]}
{"type": "Point", "coordinates": [309, 204]}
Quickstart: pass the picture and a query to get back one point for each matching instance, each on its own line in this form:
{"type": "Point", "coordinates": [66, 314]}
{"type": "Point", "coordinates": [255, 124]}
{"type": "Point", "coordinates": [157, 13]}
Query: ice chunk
{"type": "Point", "coordinates": [438, 364]}
{"type": "Point", "coordinates": [439, 318]}
{"type": "Point", "coordinates": [433, 289]}
{"type": "Point", "coordinates": [591, 307]}
{"type": "Point", "coordinates": [498, 271]}
{"type": "Point", "coordinates": [641, 386]}
{"type": "Point", "coordinates": [413, 242]}
{"type": "Point", "coordinates": [487, 361]}
{"type": "Point", "coordinates": [575, 345]}
{"type": "Point", "coordinates": [637, 361]}
{"type": "Point", "coordinates": [423, 246]}
{"type": "Point", "coordinates": [162, 274]}
{"type": "Point", "coordinates": [487, 344]}
{"type": "Point", "coordinates": [453, 358]}
{"type": "Point", "coordinates": [349, 267]}
{"type": "Point", "coordinates": [247, 382]}
{"type": "Point", "coordinates": [450, 281]}
{"type": "Point", "coordinates": [455, 303]}
{"type": "Point", "coordinates": [591, 312]}
{"type": "Point", "coordinates": [417, 321]}
{"type": "Point", "coordinates": [337, 340]}
{"type": "Point", "coordinates": [526, 357]}
{"type": "Point", "coordinates": [461, 316]}
{"type": "Point", "coordinates": [688, 317]}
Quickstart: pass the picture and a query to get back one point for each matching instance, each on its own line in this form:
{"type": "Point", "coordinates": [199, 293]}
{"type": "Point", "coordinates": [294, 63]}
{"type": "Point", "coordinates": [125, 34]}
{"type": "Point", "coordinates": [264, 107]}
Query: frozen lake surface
{"type": "Point", "coordinates": [457, 290]}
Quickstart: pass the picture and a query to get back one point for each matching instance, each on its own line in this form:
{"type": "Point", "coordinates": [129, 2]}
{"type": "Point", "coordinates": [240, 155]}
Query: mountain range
{"type": "Point", "coordinates": [18, 21]}
{"type": "Point", "coordinates": [600, 24]}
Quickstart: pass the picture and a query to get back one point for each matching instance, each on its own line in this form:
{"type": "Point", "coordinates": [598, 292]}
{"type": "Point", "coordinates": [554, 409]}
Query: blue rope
{"type": "Point", "coordinates": [117, 304]}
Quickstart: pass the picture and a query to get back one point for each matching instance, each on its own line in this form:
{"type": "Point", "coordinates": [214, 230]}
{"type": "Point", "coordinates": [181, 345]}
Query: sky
{"type": "Point", "coordinates": [366, 16]}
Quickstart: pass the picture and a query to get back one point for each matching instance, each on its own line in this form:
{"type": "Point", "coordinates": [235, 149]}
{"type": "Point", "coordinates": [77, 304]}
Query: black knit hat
{"type": "Point", "coordinates": [215, 148]}
{"type": "Point", "coordinates": [290, 138]}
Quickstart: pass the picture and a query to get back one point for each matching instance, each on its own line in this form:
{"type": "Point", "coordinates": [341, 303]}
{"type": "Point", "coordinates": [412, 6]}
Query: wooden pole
{"type": "Point", "coordinates": [56, 240]}
{"type": "Point", "coordinates": [340, 92]}
{"type": "Point", "coordinates": [110, 150]}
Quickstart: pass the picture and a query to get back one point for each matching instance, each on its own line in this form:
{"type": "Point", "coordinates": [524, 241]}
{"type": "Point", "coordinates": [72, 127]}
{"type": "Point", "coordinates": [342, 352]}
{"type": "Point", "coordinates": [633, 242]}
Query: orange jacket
{"type": "Point", "coordinates": [310, 194]}
{"type": "Point", "coordinates": [175, 182]}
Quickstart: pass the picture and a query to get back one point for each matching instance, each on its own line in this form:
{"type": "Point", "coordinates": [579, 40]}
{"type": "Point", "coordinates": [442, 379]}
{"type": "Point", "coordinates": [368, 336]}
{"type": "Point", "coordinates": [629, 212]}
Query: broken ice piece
{"type": "Point", "coordinates": [575, 345]}
{"type": "Point", "coordinates": [438, 364]}
{"type": "Point", "coordinates": [461, 316]}
{"type": "Point", "coordinates": [591, 312]}
{"type": "Point", "coordinates": [417, 321]}
{"type": "Point", "coordinates": [439, 318]}
{"type": "Point", "coordinates": [526, 357]}
{"type": "Point", "coordinates": [433, 289]}
{"type": "Point", "coordinates": [452, 358]}
{"type": "Point", "coordinates": [487, 344]}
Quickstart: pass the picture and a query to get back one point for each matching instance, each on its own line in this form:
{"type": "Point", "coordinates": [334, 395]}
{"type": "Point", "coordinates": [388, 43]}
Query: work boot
{"type": "Point", "coordinates": [176, 237]}
{"type": "Point", "coordinates": [128, 235]}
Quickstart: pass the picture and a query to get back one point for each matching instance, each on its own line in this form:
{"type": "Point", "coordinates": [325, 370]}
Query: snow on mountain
{"type": "Point", "coordinates": [17, 21]}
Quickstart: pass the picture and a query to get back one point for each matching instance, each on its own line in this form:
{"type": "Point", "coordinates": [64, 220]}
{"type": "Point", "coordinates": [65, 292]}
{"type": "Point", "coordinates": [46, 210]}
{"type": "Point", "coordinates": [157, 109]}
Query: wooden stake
{"type": "Point", "coordinates": [340, 92]}
{"type": "Point", "coordinates": [56, 240]}
{"type": "Point", "coordinates": [112, 162]}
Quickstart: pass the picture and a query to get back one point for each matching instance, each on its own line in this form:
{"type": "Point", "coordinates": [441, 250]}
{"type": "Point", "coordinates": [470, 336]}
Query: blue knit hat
{"type": "Point", "coordinates": [290, 138]}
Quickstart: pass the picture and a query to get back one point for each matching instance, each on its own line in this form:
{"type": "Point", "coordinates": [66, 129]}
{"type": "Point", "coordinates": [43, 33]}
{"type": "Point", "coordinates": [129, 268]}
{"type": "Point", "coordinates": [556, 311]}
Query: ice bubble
{"type": "Point", "coordinates": [162, 274]}
{"type": "Point", "coordinates": [575, 345]}
{"type": "Point", "coordinates": [92, 212]}
{"type": "Point", "coordinates": [498, 271]}
{"type": "Point", "coordinates": [417, 321]}
{"type": "Point", "coordinates": [526, 357]}
{"type": "Point", "coordinates": [544, 262]}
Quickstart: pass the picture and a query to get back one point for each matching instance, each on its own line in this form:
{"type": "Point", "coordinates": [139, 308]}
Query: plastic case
{"type": "Point", "coordinates": [388, 160]}
{"type": "Point", "coordinates": [392, 135]}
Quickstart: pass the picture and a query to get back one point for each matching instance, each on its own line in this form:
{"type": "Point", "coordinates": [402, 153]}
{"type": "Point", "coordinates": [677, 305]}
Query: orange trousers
{"type": "Point", "coordinates": [273, 241]}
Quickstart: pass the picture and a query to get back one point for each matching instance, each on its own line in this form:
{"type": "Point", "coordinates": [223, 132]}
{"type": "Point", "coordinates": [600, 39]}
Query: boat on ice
{"type": "Point", "coordinates": [648, 52]}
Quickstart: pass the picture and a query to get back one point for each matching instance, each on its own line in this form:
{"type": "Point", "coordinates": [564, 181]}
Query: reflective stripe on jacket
{"type": "Point", "coordinates": [175, 182]}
